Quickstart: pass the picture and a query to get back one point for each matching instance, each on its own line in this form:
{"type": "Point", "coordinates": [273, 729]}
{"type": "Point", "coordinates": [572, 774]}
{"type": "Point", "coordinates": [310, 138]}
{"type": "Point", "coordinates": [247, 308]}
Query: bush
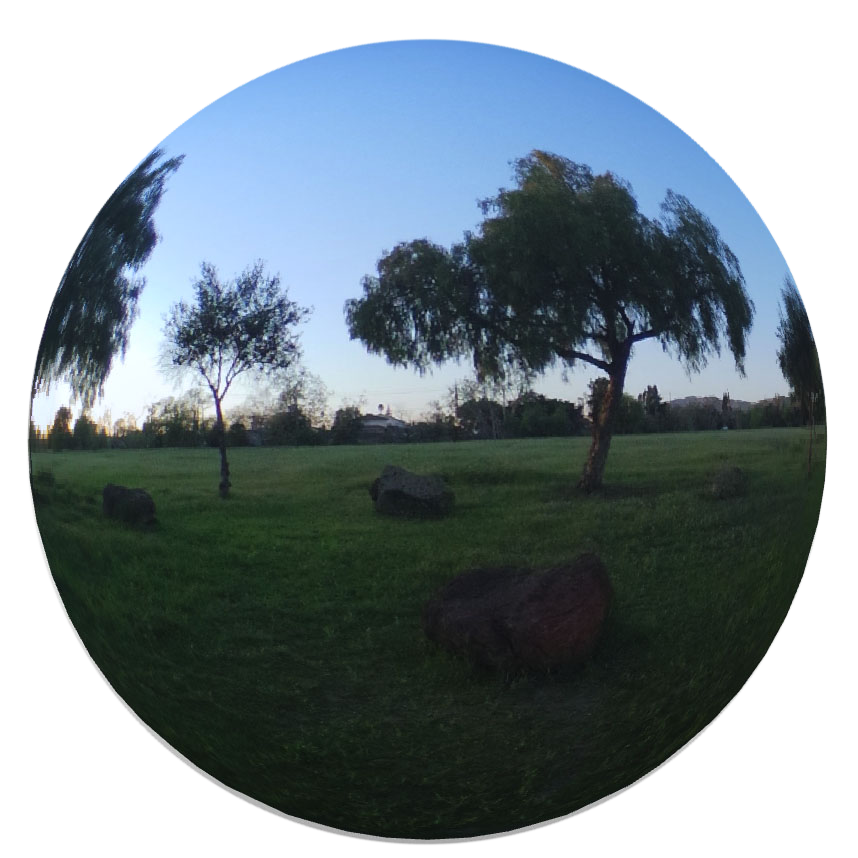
{"type": "Point", "coordinates": [729, 482]}
{"type": "Point", "coordinates": [291, 427]}
{"type": "Point", "coordinates": [236, 435]}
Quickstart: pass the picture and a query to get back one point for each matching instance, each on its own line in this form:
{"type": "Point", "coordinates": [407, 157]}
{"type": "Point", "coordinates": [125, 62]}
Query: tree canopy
{"type": "Point", "coordinates": [235, 327]}
{"type": "Point", "coordinates": [797, 356]}
{"type": "Point", "coordinates": [651, 400]}
{"type": "Point", "coordinates": [96, 302]}
{"type": "Point", "coordinates": [564, 269]}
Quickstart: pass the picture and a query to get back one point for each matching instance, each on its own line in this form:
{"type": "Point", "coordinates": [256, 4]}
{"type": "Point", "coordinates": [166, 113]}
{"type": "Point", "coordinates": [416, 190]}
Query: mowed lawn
{"type": "Point", "coordinates": [274, 638]}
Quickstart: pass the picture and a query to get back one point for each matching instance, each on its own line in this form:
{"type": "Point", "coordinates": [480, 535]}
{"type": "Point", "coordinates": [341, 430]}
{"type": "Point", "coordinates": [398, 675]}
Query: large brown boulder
{"type": "Point", "coordinates": [403, 493]}
{"type": "Point", "coordinates": [517, 618]}
{"type": "Point", "coordinates": [133, 506]}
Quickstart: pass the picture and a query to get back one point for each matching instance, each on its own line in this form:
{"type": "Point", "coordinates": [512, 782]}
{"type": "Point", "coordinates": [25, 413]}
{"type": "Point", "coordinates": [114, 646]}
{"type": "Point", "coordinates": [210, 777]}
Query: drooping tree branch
{"type": "Point", "coordinates": [96, 302]}
{"type": "Point", "coordinates": [562, 260]}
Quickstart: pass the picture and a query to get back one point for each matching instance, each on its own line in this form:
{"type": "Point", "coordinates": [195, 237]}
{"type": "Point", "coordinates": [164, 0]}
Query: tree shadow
{"type": "Point", "coordinates": [568, 492]}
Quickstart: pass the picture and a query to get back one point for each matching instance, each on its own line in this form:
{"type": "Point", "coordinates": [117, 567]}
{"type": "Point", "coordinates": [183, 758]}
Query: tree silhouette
{"type": "Point", "coordinates": [61, 433]}
{"type": "Point", "coordinates": [237, 327]}
{"type": "Point", "coordinates": [651, 400]}
{"type": "Point", "coordinates": [564, 269]}
{"type": "Point", "coordinates": [798, 357]}
{"type": "Point", "coordinates": [96, 302]}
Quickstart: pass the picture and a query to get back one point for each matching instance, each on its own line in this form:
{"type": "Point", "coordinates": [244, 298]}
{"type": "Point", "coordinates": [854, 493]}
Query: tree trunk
{"type": "Point", "coordinates": [224, 465]}
{"type": "Point", "coordinates": [603, 430]}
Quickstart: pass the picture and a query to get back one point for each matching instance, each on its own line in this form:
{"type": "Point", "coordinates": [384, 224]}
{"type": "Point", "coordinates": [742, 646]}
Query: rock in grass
{"type": "Point", "coordinates": [402, 493]}
{"type": "Point", "coordinates": [729, 482]}
{"type": "Point", "coordinates": [133, 506]}
{"type": "Point", "coordinates": [521, 619]}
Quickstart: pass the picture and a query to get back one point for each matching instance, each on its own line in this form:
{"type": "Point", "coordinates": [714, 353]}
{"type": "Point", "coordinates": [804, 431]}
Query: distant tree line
{"type": "Point", "coordinates": [61, 435]}
{"type": "Point", "coordinates": [480, 417]}
{"type": "Point", "coordinates": [649, 413]}
{"type": "Point", "coordinates": [298, 417]}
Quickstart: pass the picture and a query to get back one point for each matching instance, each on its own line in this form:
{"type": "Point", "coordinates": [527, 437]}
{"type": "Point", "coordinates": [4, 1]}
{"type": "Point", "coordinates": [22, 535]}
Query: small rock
{"type": "Point", "coordinates": [403, 493]}
{"type": "Point", "coordinates": [133, 506]}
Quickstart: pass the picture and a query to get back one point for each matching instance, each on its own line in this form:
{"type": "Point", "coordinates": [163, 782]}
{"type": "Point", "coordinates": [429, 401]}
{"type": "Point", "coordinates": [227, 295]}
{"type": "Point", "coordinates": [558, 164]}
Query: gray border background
{"type": "Point", "coordinates": [96, 775]}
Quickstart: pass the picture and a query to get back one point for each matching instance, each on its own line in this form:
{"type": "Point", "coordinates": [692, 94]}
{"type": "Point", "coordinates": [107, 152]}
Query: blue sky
{"type": "Point", "coordinates": [321, 166]}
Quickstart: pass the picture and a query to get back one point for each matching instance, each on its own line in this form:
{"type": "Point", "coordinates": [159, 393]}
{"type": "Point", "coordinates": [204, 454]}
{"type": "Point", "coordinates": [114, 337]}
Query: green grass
{"type": "Point", "coordinates": [274, 638]}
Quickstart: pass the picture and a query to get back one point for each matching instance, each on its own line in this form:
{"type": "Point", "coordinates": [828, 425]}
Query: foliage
{"type": "Point", "coordinates": [514, 383]}
{"type": "Point", "coordinates": [346, 426]}
{"type": "Point", "coordinates": [631, 417]}
{"type": "Point", "coordinates": [533, 415]}
{"type": "Point", "coordinates": [797, 356]}
{"type": "Point", "coordinates": [236, 435]}
{"type": "Point", "coordinates": [87, 436]}
{"type": "Point", "coordinates": [727, 418]}
{"type": "Point", "coordinates": [297, 388]}
{"type": "Point", "coordinates": [651, 400]}
{"type": "Point", "coordinates": [96, 302]}
{"type": "Point", "coordinates": [564, 269]}
{"type": "Point", "coordinates": [702, 418]}
{"type": "Point", "coordinates": [38, 440]}
{"type": "Point", "coordinates": [777, 413]}
{"type": "Point", "coordinates": [292, 408]}
{"type": "Point", "coordinates": [481, 418]}
{"type": "Point", "coordinates": [630, 414]}
{"type": "Point", "coordinates": [656, 412]}
{"type": "Point", "coordinates": [799, 359]}
{"type": "Point", "coordinates": [433, 427]}
{"type": "Point", "coordinates": [173, 422]}
{"type": "Point", "coordinates": [60, 433]}
{"type": "Point", "coordinates": [125, 424]}
{"type": "Point", "coordinates": [233, 328]}
{"type": "Point", "coordinates": [597, 390]}
{"type": "Point", "coordinates": [291, 426]}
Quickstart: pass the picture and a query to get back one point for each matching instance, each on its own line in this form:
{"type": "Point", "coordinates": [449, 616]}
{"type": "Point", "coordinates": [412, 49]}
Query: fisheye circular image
{"type": "Point", "coordinates": [427, 440]}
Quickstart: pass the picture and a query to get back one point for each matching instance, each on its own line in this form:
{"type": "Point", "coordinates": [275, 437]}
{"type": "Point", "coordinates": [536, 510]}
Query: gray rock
{"type": "Point", "coordinates": [403, 493]}
{"type": "Point", "coordinates": [133, 506]}
{"type": "Point", "coordinates": [521, 619]}
{"type": "Point", "coordinates": [729, 482]}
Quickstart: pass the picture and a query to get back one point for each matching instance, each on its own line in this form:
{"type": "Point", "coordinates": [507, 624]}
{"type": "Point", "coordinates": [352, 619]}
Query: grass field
{"type": "Point", "coordinates": [274, 638]}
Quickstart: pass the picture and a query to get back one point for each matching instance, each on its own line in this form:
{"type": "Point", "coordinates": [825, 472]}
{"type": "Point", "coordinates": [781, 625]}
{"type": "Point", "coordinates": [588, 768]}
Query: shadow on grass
{"type": "Point", "coordinates": [570, 491]}
{"type": "Point", "coordinates": [495, 476]}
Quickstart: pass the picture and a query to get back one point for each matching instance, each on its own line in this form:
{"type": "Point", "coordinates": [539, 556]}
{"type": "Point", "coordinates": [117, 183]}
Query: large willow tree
{"type": "Point", "coordinates": [798, 357]}
{"type": "Point", "coordinates": [563, 270]}
{"type": "Point", "coordinates": [96, 302]}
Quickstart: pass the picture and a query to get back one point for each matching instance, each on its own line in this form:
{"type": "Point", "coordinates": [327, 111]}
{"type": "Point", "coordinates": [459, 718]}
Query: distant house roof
{"type": "Point", "coordinates": [378, 428]}
{"type": "Point", "coordinates": [382, 421]}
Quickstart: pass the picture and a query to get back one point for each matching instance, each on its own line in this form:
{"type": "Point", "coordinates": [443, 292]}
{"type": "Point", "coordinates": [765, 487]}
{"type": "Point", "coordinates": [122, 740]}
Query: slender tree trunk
{"type": "Point", "coordinates": [224, 465]}
{"type": "Point", "coordinates": [603, 430]}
